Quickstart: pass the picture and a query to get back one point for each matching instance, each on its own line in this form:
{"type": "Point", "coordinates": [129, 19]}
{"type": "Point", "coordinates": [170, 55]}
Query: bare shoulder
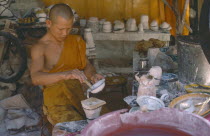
{"type": "Point", "coordinates": [38, 48]}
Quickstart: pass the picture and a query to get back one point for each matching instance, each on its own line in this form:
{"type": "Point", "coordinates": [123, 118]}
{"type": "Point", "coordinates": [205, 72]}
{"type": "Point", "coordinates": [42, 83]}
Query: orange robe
{"type": "Point", "coordinates": [62, 100]}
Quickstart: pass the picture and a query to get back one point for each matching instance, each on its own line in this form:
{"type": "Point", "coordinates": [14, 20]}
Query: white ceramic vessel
{"type": "Point", "coordinates": [131, 25]}
{"type": "Point", "coordinates": [119, 27]}
{"type": "Point", "coordinates": [145, 21]}
{"type": "Point", "coordinates": [89, 39]}
{"type": "Point", "coordinates": [107, 27]}
{"type": "Point", "coordinates": [97, 87]}
{"type": "Point", "coordinates": [154, 25]}
{"type": "Point", "coordinates": [93, 23]}
{"type": "Point", "coordinates": [150, 102]}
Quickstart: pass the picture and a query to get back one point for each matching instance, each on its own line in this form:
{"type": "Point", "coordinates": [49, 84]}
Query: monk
{"type": "Point", "coordinates": [60, 65]}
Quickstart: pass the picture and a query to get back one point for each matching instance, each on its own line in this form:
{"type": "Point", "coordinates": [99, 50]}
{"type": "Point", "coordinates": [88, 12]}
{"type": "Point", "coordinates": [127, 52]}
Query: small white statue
{"type": "Point", "coordinates": [148, 82]}
{"type": "Point", "coordinates": [146, 85]}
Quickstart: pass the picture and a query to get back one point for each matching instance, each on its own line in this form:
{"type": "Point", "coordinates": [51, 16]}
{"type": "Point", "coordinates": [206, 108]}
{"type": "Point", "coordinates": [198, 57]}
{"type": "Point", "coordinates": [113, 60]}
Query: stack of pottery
{"type": "Point", "coordinates": [165, 26]}
{"type": "Point", "coordinates": [93, 24]}
{"type": "Point", "coordinates": [89, 39]}
{"type": "Point", "coordinates": [154, 25]}
{"type": "Point", "coordinates": [107, 27]}
{"type": "Point", "coordinates": [131, 25]}
{"type": "Point", "coordinates": [119, 27]}
{"type": "Point", "coordinates": [76, 16]}
{"type": "Point", "coordinates": [145, 21]}
{"type": "Point", "coordinates": [40, 14]}
{"type": "Point", "coordinates": [101, 23]}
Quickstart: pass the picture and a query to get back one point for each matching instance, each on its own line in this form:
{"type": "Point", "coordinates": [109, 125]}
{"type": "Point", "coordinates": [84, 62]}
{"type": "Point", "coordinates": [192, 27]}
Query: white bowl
{"type": "Point", "coordinates": [152, 103]}
{"type": "Point", "coordinates": [97, 87]}
{"type": "Point", "coordinates": [42, 19]}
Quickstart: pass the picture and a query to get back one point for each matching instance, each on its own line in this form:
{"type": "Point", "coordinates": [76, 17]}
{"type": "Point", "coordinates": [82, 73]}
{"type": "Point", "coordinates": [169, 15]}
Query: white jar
{"type": "Point", "coordinates": [107, 27]}
{"type": "Point", "coordinates": [145, 21]}
{"type": "Point", "coordinates": [154, 25]}
{"type": "Point", "coordinates": [101, 22]}
{"type": "Point", "coordinates": [93, 23]}
{"type": "Point", "coordinates": [89, 39]}
{"type": "Point", "coordinates": [131, 25]}
{"type": "Point", "coordinates": [165, 26]}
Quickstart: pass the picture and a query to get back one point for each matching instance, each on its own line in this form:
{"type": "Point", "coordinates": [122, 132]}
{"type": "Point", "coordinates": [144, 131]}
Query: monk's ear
{"type": "Point", "coordinates": [48, 23]}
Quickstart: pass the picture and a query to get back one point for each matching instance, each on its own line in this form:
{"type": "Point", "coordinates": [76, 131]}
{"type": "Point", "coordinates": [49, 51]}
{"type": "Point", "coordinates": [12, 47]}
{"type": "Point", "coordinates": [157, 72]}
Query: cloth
{"type": "Point", "coordinates": [62, 99]}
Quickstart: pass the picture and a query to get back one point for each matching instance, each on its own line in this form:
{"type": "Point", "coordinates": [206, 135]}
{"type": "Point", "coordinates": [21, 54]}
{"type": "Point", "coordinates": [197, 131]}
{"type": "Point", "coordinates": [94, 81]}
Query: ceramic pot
{"type": "Point", "coordinates": [145, 21]}
{"type": "Point", "coordinates": [131, 25]}
{"type": "Point", "coordinates": [89, 39]}
{"type": "Point", "coordinates": [107, 27]}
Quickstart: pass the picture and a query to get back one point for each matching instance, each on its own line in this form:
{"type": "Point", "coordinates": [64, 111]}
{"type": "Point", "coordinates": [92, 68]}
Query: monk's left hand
{"type": "Point", "coordinates": [96, 78]}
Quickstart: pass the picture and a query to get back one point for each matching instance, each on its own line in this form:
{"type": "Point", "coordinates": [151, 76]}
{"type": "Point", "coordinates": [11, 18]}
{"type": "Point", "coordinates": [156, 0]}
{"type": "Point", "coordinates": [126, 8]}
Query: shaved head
{"type": "Point", "coordinates": [61, 10]}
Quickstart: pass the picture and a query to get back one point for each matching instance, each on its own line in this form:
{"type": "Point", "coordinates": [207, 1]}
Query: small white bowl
{"type": "Point", "coordinates": [97, 87]}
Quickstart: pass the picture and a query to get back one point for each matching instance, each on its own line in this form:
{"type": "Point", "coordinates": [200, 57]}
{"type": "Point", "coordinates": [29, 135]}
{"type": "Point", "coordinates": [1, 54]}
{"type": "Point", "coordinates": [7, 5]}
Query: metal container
{"type": "Point", "coordinates": [192, 63]}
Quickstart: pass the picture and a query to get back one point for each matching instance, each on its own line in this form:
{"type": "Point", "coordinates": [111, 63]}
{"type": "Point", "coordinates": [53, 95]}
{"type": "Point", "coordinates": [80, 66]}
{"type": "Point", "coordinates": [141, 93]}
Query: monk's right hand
{"type": "Point", "coordinates": [75, 74]}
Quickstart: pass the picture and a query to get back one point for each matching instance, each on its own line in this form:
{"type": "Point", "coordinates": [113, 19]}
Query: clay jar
{"type": "Point", "coordinates": [145, 21]}
{"type": "Point", "coordinates": [131, 25]}
{"type": "Point", "coordinates": [93, 24]}
{"type": "Point", "coordinates": [107, 27]}
{"type": "Point", "coordinates": [119, 27]}
{"type": "Point", "coordinates": [165, 26]}
{"type": "Point", "coordinates": [154, 25]}
{"type": "Point", "coordinates": [89, 38]}
{"type": "Point", "coordinates": [101, 22]}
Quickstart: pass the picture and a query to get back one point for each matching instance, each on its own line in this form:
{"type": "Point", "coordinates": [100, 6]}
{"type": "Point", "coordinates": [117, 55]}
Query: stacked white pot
{"type": "Point", "coordinates": [101, 23]}
{"type": "Point", "coordinates": [131, 25]}
{"type": "Point", "coordinates": [145, 21]}
{"type": "Point", "coordinates": [165, 26]}
{"type": "Point", "coordinates": [107, 27]}
{"type": "Point", "coordinates": [119, 26]}
{"type": "Point", "coordinates": [40, 14]}
{"type": "Point", "coordinates": [154, 25]}
{"type": "Point", "coordinates": [93, 24]}
{"type": "Point", "coordinates": [90, 45]}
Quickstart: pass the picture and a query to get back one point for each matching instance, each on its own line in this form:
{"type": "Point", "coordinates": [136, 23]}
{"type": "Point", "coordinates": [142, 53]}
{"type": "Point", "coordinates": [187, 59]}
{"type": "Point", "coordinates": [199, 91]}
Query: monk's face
{"type": "Point", "coordinates": [60, 28]}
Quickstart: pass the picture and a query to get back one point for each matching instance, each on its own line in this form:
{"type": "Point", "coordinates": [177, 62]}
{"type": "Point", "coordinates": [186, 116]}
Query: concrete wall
{"type": "Point", "coordinates": [117, 49]}
{"type": "Point", "coordinates": [115, 56]}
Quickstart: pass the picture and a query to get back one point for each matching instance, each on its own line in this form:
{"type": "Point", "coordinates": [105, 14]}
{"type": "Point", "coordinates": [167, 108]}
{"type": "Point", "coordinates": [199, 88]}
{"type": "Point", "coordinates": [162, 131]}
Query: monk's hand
{"type": "Point", "coordinates": [76, 74]}
{"type": "Point", "coordinates": [96, 77]}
